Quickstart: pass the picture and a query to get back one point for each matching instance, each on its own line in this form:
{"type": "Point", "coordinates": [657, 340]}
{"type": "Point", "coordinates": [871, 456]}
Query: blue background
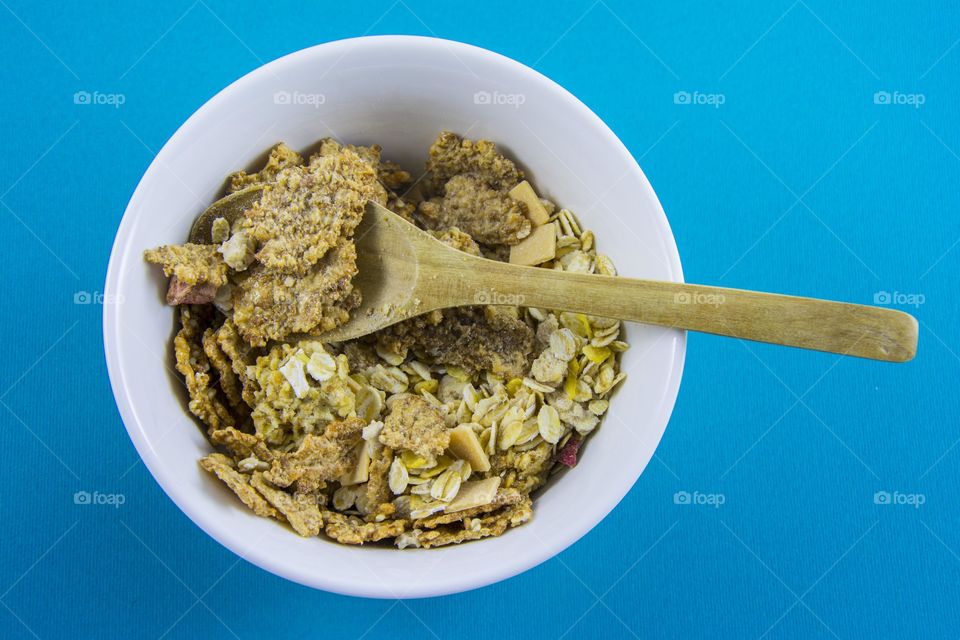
{"type": "Point", "coordinates": [797, 183]}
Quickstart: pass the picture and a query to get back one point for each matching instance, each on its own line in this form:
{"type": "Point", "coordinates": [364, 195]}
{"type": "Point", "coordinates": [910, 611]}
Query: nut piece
{"type": "Point", "coordinates": [465, 444]}
{"type": "Point", "coordinates": [524, 193]}
{"type": "Point", "coordinates": [474, 494]}
{"type": "Point", "coordinates": [539, 247]}
{"type": "Point", "coordinates": [361, 470]}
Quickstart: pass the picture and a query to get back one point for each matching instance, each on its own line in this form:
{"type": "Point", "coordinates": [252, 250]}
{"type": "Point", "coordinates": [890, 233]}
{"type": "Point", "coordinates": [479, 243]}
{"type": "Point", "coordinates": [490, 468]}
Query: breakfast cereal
{"type": "Point", "coordinates": [435, 431]}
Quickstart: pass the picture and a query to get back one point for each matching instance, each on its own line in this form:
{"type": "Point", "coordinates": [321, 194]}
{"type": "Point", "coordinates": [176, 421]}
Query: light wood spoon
{"type": "Point", "coordinates": [404, 272]}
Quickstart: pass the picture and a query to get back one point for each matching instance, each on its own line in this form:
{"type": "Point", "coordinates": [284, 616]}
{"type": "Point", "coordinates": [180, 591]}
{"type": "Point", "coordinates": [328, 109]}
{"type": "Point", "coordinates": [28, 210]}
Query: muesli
{"type": "Point", "coordinates": [434, 431]}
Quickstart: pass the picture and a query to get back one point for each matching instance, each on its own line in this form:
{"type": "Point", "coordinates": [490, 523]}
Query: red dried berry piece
{"type": "Point", "coordinates": [567, 455]}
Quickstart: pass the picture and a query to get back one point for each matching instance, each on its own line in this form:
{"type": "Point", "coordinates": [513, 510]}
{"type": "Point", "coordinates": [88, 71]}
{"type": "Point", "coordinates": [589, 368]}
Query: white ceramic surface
{"type": "Point", "coordinates": [397, 91]}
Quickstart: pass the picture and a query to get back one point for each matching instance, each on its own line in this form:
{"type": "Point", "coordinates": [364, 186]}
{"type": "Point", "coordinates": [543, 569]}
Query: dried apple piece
{"type": "Point", "coordinates": [524, 193]}
{"type": "Point", "coordinates": [539, 247]}
{"type": "Point", "coordinates": [465, 444]}
{"type": "Point", "coordinates": [474, 493]}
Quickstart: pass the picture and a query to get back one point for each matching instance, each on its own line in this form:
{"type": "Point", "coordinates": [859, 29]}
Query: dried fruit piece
{"type": "Point", "coordinates": [474, 493]}
{"type": "Point", "coordinates": [539, 247]}
{"type": "Point", "coordinates": [464, 444]}
{"type": "Point", "coordinates": [503, 498]}
{"type": "Point", "coordinates": [567, 455]}
{"type": "Point", "coordinates": [524, 193]}
{"type": "Point", "coordinates": [361, 468]}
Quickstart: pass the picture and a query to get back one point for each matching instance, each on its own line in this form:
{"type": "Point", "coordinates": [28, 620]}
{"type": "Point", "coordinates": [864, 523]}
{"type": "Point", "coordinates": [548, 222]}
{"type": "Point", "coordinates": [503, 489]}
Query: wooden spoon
{"type": "Point", "coordinates": [404, 272]}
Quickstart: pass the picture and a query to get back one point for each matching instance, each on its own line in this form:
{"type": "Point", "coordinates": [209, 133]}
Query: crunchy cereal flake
{"type": "Point", "coordinates": [191, 264]}
{"type": "Point", "coordinates": [490, 525]}
{"type": "Point", "coordinates": [329, 456]}
{"type": "Point", "coordinates": [271, 306]}
{"type": "Point", "coordinates": [301, 511]}
{"type": "Point", "coordinates": [488, 215]}
{"type": "Point", "coordinates": [353, 530]}
{"type": "Point", "coordinates": [414, 425]}
{"type": "Point", "coordinates": [308, 210]}
{"type": "Point", "coordinates": [192, 363]}
{"type": "Point", "coordinates": [281, 156]}
{"type": "Point", "coordinates": [475, 338]}
{"type": "Point", "coordinates": [451, 155]}
{"type": "Point", "coordinates": [222, 467]}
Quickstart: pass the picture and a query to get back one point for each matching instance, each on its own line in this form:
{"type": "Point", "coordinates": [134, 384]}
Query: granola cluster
{"type": "Point", "coordinates": [432, 432]}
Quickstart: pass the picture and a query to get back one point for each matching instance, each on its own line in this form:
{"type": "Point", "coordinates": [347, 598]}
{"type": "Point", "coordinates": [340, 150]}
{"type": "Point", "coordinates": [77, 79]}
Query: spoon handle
{"type": "Point", "coordinates": [808, 323]}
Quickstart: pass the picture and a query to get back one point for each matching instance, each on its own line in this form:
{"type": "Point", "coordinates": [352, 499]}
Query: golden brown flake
{"type": "Point", "coordinates": [222, 467]}
{"type": "Point", "coordinates": [312, 485]}
{"type": "Point", "coordinates": [239, 353]}
{"type": "Point", "coordinates": [415, 425]}
{"type": "Point", "coordinates": [192, 363]}
{"type": "Point", "coordinates": [451, 155]}
{"type": "Point", "coordinates": [392, 175]}
{"type": "Point", "coordinates": [240, 444]}
{"type": "Point", "coordinates": [281, 156]}
{"type": "Point", "coordinates": [308, 210]}
{"type": "Point", "coordinates": [378, 488]}
{"type": "Point", "coordinates": [457, 239]}
{"type": "Point", "coordinates": [353, 530]}
{"type": "Point", "coordinates": [191, 264]}
{"type": "Point", "coordinates": [301, 511]}
{"type": "Point", "coordinates": [504, 498]}
{"type": "Point", "coordinates": [474, 338]}
{"type": "Point", "coordinates": [526, 470]}
{"type": "Point", "coordinates": [488, 215]}
{"type": "Point", "coordinates": [476, 528]}
{"type": "Point", "coordinates": [327, 457]}
{"type": "Point", "coordinates": [229, 383]}
{"type": "Point", "coordinates": [360, 355]}
{"type": "Point", "coordinates": [402, 207]}
{"type": "Point", "coordinates": [270, 306]}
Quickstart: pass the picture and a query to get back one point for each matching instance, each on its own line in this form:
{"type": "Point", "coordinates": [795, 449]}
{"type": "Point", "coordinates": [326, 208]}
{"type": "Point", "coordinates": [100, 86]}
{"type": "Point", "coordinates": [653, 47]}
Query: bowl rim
{"type": "Point", "coordinates": [495, 572]}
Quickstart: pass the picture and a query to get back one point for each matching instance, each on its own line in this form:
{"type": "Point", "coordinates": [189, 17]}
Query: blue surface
{"type": "Point", "coordinates": [797, 183]}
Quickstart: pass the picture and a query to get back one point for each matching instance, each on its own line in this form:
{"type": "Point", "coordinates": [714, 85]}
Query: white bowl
{"type": "Point", "coordinates": [399, 92]}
